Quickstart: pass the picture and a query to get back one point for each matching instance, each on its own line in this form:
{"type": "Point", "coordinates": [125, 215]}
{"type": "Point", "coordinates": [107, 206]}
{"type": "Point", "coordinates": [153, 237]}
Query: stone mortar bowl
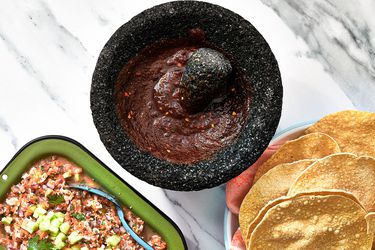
{"type": "Point", "coordinates": [226, 30]}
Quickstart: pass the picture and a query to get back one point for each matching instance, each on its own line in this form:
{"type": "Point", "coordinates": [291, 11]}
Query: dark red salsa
{"type": "Point", "coordinates": [150, 111]}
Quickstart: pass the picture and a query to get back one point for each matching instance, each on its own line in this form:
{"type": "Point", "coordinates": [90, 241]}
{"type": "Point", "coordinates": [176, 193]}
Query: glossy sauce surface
{"type": "Point", "coordinates": [151, 114]}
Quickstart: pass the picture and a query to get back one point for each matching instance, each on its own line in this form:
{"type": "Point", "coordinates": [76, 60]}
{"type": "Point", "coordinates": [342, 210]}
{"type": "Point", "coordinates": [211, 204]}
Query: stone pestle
{"type": "Point", "coordinates": [206, 73]}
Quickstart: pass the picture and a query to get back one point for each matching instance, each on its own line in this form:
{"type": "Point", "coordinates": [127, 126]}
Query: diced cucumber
{"type": "Point", "coordinates": [58, 215]}
{"type": "Point", "coordinates": [74, 237]}
{"type": "Point", "coordinates": [6, 220]}
{"type": "Point", "coordinates": [45, 224]}
{"type": "Point", "coordinates": [76, 247]}
{"type": "Point", "coordinates": [113, 240]}
{"type": "Point", "coordinates": [77, 177]}
{"type": "Point", "coordinates": [65, 227]}
{"type": "Point", "coordinates": [53, 230]}
{"type": "Point", "coordinates": [84, 248]}
{"type": "Point", "coordinates": [30, 226]}
{"type": "Point", "coordinates": [40, 219]}
{"type": "Point", "coordinates": [56, 222]}
{"type": "Point", "coordinates": [39, 211]}
{"type": "Point", "coordinates": [59, 241]}
{"type": "Point", "coordinates": [58, 244]}
{"type": "Point", "coordinates": [67, 174]}
{"type": "Point", "coordinates": [61, 236]}
{"type": "Point", "coordinates": [49, 215]}
{"type": "Point", "coordinates": [54, 226]}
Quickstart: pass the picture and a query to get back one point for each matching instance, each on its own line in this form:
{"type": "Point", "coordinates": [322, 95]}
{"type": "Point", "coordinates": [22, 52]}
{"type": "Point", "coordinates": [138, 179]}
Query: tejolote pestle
{"type": "Point", "coordinates": [206, 73]}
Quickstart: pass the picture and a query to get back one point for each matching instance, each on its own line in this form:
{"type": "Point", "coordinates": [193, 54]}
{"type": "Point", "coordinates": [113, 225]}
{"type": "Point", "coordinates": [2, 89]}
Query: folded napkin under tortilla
{"type": "Point", "coordinates": [237, 188]}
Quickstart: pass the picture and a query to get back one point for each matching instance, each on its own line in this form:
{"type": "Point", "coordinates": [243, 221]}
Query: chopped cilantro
{"type": "Point", "coordinates": [35, 244]}
{"type": "Point", "coordinates": [42, 168]}
{"type": "Point", "coordinates": [79, 216]}
{"type": "Point", "coordinates": [56, 199]}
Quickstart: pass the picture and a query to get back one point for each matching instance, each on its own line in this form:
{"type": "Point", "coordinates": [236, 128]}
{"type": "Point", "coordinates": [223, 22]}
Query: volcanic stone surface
{"type": "Point", "coordinates": [206, 73]}
{"type": "Point", "coordinates": [228, 31]}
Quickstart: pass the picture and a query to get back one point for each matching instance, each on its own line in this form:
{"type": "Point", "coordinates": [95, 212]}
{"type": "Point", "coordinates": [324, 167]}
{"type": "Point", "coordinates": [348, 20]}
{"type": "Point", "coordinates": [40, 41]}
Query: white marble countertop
{"type": "Point", "coordinates": [48, 50]}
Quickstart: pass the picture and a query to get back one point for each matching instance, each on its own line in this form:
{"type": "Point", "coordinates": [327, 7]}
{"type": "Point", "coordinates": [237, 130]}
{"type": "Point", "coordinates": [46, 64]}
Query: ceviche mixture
{"type": "Point", "coordinates": [41, 213]}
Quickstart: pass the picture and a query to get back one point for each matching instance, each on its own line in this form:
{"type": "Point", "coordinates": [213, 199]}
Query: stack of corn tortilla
{"type": "Point", "coordinates": [317, 191]}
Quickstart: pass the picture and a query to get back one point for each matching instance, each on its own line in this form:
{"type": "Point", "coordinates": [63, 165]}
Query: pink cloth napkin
{"type": "Point", "coordinates": [237, 241]}
{"type": "Point", "coordinates": [238, 187]}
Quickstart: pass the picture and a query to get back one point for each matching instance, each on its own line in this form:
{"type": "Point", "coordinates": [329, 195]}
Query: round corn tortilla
{"type": "Point", "coordinates": [313, 221]}
{"type": "Point", "coordinates": [269, 205]}
{"type": "Point", "coordinates": [342, 171]}
{"type": "Point", "coordinates": [311, 146]}
{"type": "Point", "coordinates": [273, 184]}
{"type": "Point", "coordinates": [261, 214]}
{"type": "Point", "coordinates": [353, 130]}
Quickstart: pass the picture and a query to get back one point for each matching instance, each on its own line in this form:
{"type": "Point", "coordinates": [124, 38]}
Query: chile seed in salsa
{"type": "Point", "coordinates": [149, 106]}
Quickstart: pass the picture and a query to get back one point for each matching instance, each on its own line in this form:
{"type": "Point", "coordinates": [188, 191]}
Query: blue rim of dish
{"type": "Point", "coordinates": [276, 136]}
{"type": "Point", "coordinates": [68, 139]}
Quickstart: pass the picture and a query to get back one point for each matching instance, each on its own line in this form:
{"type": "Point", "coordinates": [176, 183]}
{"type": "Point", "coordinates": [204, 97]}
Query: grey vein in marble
{"type": "Point", "coordinates": [341, 38]}
{"type": "Point", "coordinates": [29, 68]}
{"type": "Point", "coordinates": [44, 32]}
{"type": "Point", "coordinates": [64, 31]}
{"type": "Point", "coordinates": [8, 131]}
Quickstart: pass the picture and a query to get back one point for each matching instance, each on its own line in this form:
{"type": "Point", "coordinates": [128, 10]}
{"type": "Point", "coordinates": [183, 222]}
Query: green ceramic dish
{"type": "Point", "coordinates": [92, 166]}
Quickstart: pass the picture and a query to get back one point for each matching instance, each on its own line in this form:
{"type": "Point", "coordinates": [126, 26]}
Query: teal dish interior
{"type": "Point", "coordinates": [92, 166]}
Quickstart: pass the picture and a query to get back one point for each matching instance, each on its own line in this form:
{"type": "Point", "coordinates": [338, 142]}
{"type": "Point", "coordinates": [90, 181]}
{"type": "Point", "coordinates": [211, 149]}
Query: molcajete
{"type": "Point", "coordinates": [138, 104]}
